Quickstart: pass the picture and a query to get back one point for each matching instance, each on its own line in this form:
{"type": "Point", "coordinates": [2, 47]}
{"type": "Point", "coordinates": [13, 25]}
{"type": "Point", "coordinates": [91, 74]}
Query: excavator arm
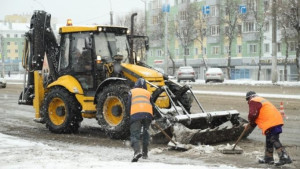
{"type": "Point", "coordinates": [40, 44]}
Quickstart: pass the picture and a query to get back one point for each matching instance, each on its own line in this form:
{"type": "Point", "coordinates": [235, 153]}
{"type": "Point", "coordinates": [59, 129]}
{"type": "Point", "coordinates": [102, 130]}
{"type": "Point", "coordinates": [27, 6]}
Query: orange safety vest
{"type": "Point", "coordinates": [268, 116]}
{"type": "Point", "coordinates": [140, 101]}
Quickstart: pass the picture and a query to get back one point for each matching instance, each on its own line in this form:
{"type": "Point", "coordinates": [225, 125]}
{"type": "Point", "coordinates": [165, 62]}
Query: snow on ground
{"type": "Point", "coordinates": [18, 77]}
{"type": "Point", "coordinates": [17, 153]}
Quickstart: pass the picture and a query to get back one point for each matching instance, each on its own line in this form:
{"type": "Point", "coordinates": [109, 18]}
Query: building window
{"type": "Point", "coordinates": [196, 51]}
{"type": "Point", "coordinates": [159, 53]}
{"type": "Point", "coordinates": [8, 43]}
{"type": "Point", "coordinates": [251, 5]}
{"type": "Point", "coordinates": [292, 46]}
{"type": "Point", "coordinates": [239, 29]}
{"type": "Point", "coordinates": [226, 29]}
{"type": "Point", "coordinates": [16, 51]}
{"type": "Point", "coordinates": [267, 47]}
{"type": "Point", "coordinates": [267, 27]}
{"type": "Point", "coordinates": [252, 48]}
{"type": "Point", "coordinates": [183, 15]}
{"type": "Point", "coordinates": [226, 49]}
{"type": "Point", "coordinates": [266, 5]}
{"type": "Point", "coordinates": [215, 30]}
{"type": "Point", "coordinates": [249, 26]}
{"type": "Point", "coordinates": [154, 20]}
{"type": "Point", "coordinates": [16, 35]}
{"type": "Point", "coordinates": [8, 35]}
{"type": "Point", "coordinates": [239, 48]}
{"type": "Point", "coordinates": [204, 51]}
{"type": "Point", "coordinates": [278, 47]}
{"type": "Point", "coordinates": [176, 52]}
{"type": "Point", "coordinates": [8, 51]}
{"type": "Point", "coordinates": [187, 51]}
{"type": "Point", "coordinates": [214, 11]}
{"type": "Point", "coordinates": [215, 50]}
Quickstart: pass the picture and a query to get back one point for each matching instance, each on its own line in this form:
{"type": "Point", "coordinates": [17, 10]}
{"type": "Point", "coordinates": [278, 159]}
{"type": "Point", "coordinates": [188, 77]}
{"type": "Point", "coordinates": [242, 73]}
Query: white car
{"type": "Point", "coordinates": [2, 82]}
{"type": "Point", "coordinates": [186, 73]}
{"type": "Point", "coordinates": [214, 74]}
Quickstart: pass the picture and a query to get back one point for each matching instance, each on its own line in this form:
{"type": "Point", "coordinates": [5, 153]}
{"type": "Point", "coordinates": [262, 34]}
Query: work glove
{"type": "Point", "coordinates": [153, 122]}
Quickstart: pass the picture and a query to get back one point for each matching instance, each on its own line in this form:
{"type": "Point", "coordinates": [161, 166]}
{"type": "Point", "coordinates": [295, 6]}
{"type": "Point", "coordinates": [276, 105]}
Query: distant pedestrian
{"type": "Point", "coordinates": [264, 114]}
{"type": "Point", "coordinates": [8, 73]}
{"type": "Point", "coordinates": [141, 114]}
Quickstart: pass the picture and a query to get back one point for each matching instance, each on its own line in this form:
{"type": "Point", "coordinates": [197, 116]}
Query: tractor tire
{"type": "Point", "coordinates": [112, 112]}
{"type": "Point", "coordinates": [61, 111]}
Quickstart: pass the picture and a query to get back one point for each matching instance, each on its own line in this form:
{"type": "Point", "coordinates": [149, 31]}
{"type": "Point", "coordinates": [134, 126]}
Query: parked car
{"type": "Point", "coordinates": [214, 74]}
{"type": "Point", "coordinates": [186, 73]}
{"type": "Point", "coordinates": [2, 82]}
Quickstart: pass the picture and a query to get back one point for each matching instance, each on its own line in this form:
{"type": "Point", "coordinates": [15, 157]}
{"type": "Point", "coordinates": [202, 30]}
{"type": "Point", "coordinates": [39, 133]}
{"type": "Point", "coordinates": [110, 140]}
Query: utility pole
{"type": "Point", "coordinates": [2, 56]}
{"type": "Point", "coordinates": [111, 15]}
{"type": "Point", "coordinates": [145, 2]}
{"type": "Point", "coordinates": [166, 9]}
{"type": "Point", "coordinates": [274, 43]}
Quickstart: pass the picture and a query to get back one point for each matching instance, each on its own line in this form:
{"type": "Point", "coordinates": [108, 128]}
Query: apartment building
{"type": "Point", "coordinates": [205, 33]}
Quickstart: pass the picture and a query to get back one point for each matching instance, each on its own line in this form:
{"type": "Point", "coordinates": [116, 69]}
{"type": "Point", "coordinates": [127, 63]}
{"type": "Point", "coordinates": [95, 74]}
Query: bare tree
{"type": "Point", "coordinates": [293, 15]}
{"type": "Point", "coordinates": [260, 17]}
{"type": "Point", "coordinates": [201, 26]}
{"type": "Point", "coordinates": [184, 26]}
{"type": "Point", "coordinates": [139, 27]}
{"type": "Point", "coordinates": [230, 21]}
{"type": "Point", "coordinates": [287, 31]}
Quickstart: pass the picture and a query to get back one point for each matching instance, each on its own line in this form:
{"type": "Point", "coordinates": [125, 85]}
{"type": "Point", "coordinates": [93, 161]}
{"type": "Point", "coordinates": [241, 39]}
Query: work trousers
{"type": "Point", "coordinates": [135, 135]}
{"type": "Point", "coordinates": [272, 141]}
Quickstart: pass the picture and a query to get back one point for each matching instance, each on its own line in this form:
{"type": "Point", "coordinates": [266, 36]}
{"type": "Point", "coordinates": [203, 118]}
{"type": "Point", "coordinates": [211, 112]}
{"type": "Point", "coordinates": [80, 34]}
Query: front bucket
{"type": "Point", "coordinates": [208, 128]}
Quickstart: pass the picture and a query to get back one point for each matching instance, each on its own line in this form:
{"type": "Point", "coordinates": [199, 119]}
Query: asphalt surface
{"type": "Point", "coordinates": [17, 120]}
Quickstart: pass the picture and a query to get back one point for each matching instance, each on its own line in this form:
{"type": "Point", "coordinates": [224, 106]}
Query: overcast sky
{"type": "Point", "coordinates": [80, 11]}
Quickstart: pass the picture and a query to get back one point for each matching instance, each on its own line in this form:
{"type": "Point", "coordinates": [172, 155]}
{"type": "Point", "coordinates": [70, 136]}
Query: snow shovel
{"type": "Point", "coordinates": [178, 146]}
{"type": "Point", "coordinates": [233, 150]}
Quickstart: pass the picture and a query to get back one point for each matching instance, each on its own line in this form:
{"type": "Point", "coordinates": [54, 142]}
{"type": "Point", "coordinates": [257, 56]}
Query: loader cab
{"type": "Point", "coordinates": [77, 59]}
{"type": "Point", "coordinates": [90, 56]}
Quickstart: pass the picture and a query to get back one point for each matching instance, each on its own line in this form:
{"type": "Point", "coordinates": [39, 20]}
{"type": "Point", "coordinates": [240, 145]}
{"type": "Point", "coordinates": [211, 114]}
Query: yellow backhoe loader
{"type": "Point", "coordinates": [89, 73]}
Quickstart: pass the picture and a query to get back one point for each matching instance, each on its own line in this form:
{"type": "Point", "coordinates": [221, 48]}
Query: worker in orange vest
{"type": "Point", "coordinates": [141, 115]}
{"type": "Point", "coordinates": [264, 114]}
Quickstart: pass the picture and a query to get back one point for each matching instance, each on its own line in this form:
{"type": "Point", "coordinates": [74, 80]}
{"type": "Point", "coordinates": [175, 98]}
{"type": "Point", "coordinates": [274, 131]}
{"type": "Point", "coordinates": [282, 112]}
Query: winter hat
{"type": "Point", "coordinates": [140, 83]}
{"type": "Point", "coordinates": [250, 94]}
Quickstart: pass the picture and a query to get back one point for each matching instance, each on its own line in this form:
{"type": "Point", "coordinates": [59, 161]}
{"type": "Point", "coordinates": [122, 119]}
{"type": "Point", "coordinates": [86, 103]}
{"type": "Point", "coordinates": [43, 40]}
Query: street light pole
{"type": "Point", "coordinates": [2, 56]}
{"type": "Point", "coordinates": [274, 43]}
{"type": "Point", "coordinates": [145, 2]}
{"type": "Point", "coordinates": [111, 14]}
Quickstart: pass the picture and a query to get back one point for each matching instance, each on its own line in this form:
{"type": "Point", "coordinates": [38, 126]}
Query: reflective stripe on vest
{"type": "Point", "coordinates": [140, 101]}
{"type": "Point", "coordinates": [268, 116]}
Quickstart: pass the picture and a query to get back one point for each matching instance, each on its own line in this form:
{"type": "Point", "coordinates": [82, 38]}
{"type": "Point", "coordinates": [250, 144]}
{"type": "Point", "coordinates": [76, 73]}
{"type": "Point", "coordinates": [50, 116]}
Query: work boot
{"type": "Point", "coordinates": [145, 155]}
{"type": "Point", "coordinates": [284, 158]}
{"type": "Point", "coordinates": [136, 157]}
{"type": "Point", "coordinates": [267, 159]}
{"type": "Point", "coordinates": [145, 152]}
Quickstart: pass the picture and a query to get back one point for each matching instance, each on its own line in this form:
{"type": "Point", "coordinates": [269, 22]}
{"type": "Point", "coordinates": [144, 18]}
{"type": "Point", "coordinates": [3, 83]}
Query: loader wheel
{"type": "Point", "coordinates": [111, 110]}
{"type": "Point", "coordinates": [61, 111]}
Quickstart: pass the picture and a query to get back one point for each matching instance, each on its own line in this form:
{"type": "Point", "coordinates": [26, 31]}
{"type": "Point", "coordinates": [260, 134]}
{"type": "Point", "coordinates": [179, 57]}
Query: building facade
{"type": "Point", "coordinates": [205, 33]}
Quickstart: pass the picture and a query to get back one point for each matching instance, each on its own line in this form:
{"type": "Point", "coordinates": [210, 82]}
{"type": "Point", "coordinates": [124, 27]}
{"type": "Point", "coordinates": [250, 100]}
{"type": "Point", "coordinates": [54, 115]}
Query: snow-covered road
{"type": "Point", "coordinates": [17, 153]}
